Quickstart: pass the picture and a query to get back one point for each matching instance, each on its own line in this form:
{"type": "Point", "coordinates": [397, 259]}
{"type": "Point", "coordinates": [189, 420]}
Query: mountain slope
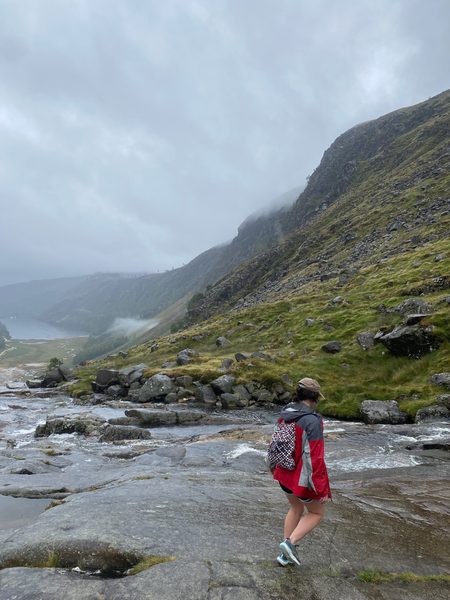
{"type": "Point", "coordinates": [381, 188]}
{"type": "Point", "coordinates": [366, 244]}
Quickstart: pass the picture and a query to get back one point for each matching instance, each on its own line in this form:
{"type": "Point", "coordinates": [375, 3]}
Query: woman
{"type": "Point", "coordinates": [306, 486]}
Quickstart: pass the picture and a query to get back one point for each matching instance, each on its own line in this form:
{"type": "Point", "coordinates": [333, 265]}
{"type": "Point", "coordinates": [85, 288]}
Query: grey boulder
{"type": "Point", "coordinates": [156, 388]}
{"type": "Point", "coordinates": [382, 411]}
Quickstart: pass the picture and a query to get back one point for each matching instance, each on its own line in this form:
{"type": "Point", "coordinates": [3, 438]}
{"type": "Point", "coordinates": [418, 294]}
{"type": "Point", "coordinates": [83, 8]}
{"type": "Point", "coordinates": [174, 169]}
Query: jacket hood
{"type": "Point", "coordinates": [295, 410]}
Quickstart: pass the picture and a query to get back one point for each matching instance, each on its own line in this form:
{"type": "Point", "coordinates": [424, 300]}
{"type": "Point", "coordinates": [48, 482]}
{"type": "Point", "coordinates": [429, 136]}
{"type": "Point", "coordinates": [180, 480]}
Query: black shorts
{"type": "Point", "coordinates": [288, 491]}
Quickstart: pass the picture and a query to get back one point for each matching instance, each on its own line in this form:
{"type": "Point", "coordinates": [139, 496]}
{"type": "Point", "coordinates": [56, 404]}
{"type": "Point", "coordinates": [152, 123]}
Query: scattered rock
{"type": "Point", "coordinates": [337, 300]}
{"type": "Point", "coordinates": [34, 383]}
{"type": "Point", "coordinates": [265, 397]}
{"type": "Point", "coordinates": [52, 378]}
{"type": "Point", "coordinates": [186, 356]}
{"type": "Point", "coordinates": [332, 347]}
{"type": "Point", "coordinates": [156, 388]}
{"type": "Point", "coordinates": [241, 356]}
{"type": "Point", "coordinates": [442, 379]}
{"type": "Point", "coordinates": [413, 341]}
{"type": "Point", "coordinates": [241, 392]}
{"type": "Point", "coordinates": [310, 322]}
{"type": "Point", "coordinates": [382, 411]}
{"type": "Point", "coordinates": [435, 412]}
{"type": "Point", "coordinates": [366, 339]}
{"type": "Point", "coordinates": [107, 377]}
{"type": "Point", "coordinates": [184, 381]}
{"type": "Point", "coordinates": [444, 399]}
{"type": "Point", "coordinates": [415, 319]}
{"type": "Point", "coordinates": [114, 433]}
{"type": "Point", "coordinates": [230, 401]}
{"type": "Point", "coordinates": [169, 364]}
{"type": "Point", "coordinates": [222, 342]}
{"type": "Point", "coordinates": [82, 424]}
{"type": "Point", "coordinates": [226, 364]}
{"type": "Point", "coordinates": [413, 305]}
{"type": "Point", "coordinates": [223, 384]}
{"type": "Point", "coordinates": [130, 375]}
{"type": "Point", "coordinates": [206, 394]}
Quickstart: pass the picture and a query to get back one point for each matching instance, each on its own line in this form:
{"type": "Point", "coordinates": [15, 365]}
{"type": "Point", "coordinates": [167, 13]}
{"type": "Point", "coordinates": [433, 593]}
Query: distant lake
{"type": "Point", "coordinates": [22, 328]}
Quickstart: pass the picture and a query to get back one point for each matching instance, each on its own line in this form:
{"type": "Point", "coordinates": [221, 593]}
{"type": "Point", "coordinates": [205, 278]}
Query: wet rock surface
{"type": "Point", "coordinates": [201, 495]}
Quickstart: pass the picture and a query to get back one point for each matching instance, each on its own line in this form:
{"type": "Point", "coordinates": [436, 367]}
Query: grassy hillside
{"type": "Point", "coordinates": [280, 329]}
{"type": "Point", "coordinates": [372, 227]}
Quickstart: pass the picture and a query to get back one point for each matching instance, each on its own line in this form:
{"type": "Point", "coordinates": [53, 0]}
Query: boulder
{"type": "Point", "coordinates": [82, 424]}
{"type": "Point", "coordinates": [107, 377]}
{"type": "Point", "coordinates": [116, 391]}
{"type": "Point", "coordinates": [223, 384]}
{"type": "Point", "coordinates": [114, 433]}
{"type": "Point", "coordinates": [230, 401]}
{"type": "Point", "coordinates": [52, 378]}
{"type": "Point", "coordinates": [413, 305]}
{"type": "Point", "coordinates": [186, 356]}
{"type": "Point", "coordinates": [34, 383]}
{"type": "Point", "coordinates": [442, 379]}
{"type": "Point", "coordinates": [184, 381]}
{"type": "Point", "coordinates": [310, 322]}
{"type": "Point", "coordinates": [366, 339]}
{"type": "Point", "coordinates": [382, 411]}
{"type": "Point", "coordinates": [171, 398]}
{"type": "Point", "coordinates": [241, 356]}
{"type": "Point", "coordinates": [241, 392]}
{"type": "Point", "coordinates": [415, 319]}
{"type": "Point", "coordinates": [156, 388]}
{"type": "Point", "coordinates": [432, 413]}
{"type": "Point", "coordinates": [226, 364]}
{"type": "Point", "coordinates": [222, 342]}
{"type": "Point", "coordinates": [169, 364]}
{"type": "Point", "coordinates": [410, 340]}
{"type": "Point", "coordinates": [263, 396]}
{"type": "Point", "coordinates": [206, 394]}
{"type": "Point", "coordinates": [332, 347]}
{"type": "Point", "coordinates": [444, 400]}
{"type": "Point", "coordinates": [130, 375]}
{"type": "Point", "coordinates": [153, 418]}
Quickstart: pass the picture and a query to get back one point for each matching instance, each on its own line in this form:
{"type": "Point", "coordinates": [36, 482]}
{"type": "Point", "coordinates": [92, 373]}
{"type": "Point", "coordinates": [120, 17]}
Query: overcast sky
{"type": "Point", "coordinates": [135, 134]}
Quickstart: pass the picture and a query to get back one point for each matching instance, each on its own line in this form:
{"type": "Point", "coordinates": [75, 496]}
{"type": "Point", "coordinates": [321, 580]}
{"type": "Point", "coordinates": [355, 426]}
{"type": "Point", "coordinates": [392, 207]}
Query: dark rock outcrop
{"type": "Point", "coordinates": [413, 341]}
{"type": "Point", "coordinates": [332, 347]}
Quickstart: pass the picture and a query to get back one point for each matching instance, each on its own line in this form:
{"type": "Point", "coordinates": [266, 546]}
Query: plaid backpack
{"type": "Point", "coordinates": [282, 446]}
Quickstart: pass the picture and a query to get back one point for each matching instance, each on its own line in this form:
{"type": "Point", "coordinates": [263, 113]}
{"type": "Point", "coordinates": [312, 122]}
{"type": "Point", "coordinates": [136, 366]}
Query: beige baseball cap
{"type": "Point", "coordinates": [310, 384]}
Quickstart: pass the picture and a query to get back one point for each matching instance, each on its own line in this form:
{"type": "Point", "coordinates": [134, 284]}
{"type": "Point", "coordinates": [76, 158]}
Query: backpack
{"type": "Point", "coordinates": [282, 446]}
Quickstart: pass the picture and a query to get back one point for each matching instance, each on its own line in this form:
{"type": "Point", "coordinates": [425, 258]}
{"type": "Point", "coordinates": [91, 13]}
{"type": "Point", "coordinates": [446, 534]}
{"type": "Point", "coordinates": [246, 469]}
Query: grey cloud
{"type": "Point", "coordinates": [134, 135]}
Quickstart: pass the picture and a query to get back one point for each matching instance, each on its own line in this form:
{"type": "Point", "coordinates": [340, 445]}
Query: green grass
{"type": "Point", "coordinates": [279, 329]}
{"type": "Point", "coordinates": [148, 562]}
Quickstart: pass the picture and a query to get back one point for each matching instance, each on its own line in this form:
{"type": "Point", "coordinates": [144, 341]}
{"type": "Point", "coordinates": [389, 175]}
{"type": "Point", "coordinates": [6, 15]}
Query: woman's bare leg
{"type": "Point", "coordinates": [315, 512]}
{"type": "Point", "coordinates": [294, 514]}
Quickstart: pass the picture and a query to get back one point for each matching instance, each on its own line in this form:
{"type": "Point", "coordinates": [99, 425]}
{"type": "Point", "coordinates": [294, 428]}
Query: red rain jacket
{"type": "Point", "coordinates": [309, 479]}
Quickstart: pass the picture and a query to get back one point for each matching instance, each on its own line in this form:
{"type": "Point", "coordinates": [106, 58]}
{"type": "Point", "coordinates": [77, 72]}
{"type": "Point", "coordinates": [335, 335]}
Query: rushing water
{"type": "Point", "coordinates": [351, 447]}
